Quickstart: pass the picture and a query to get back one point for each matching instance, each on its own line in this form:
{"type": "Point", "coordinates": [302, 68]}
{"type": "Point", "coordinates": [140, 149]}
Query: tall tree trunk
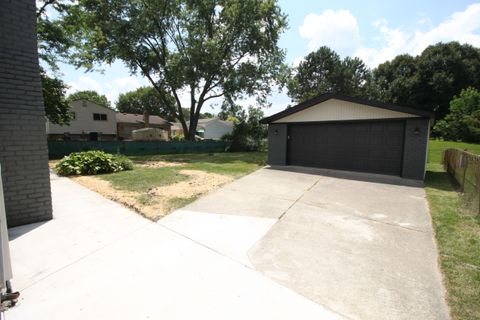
{"type": "Point", "coordinates": [192, 129]}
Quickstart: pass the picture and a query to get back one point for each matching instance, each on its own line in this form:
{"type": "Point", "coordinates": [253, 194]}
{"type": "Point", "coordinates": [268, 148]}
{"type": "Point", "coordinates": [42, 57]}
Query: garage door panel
{"type": "Point", "coordinates": [367, 146]}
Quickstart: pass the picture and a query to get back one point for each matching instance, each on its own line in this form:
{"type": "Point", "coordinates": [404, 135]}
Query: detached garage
{"type": "Point", "coordinates": [344, 133]}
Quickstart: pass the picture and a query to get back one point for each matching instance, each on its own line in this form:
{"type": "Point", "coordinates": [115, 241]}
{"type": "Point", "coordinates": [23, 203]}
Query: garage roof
{"type": "Point", "coordinates": [328, 96]}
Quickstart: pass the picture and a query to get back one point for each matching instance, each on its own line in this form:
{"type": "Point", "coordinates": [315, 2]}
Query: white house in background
{"type": "Point", "coordinates": [90, 122]}
{"type": "Point", "coordinates": [211, 128]}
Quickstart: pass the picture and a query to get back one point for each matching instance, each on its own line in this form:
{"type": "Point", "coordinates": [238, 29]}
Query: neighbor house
{"type": "Point", "coordinates": [211, 128]}
{"type": "Point", "coordinates": [90, 121]}
{"type": "Point", "coordinates": [128, 122]}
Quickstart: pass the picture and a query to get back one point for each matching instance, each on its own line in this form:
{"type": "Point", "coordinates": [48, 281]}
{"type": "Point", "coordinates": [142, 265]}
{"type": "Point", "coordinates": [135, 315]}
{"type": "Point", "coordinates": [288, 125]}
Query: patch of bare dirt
{"type": "Point", "coordinates": [160, 164]}
{"type": "Point", "coordinates": [200, 182]}
{"type": "Point", "coordinates": [157, 203]}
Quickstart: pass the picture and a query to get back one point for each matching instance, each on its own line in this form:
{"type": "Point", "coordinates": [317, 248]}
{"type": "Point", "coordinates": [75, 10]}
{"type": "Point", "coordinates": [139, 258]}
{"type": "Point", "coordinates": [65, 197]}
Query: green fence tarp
{"type": "Point", "coordinates": [59, 149]}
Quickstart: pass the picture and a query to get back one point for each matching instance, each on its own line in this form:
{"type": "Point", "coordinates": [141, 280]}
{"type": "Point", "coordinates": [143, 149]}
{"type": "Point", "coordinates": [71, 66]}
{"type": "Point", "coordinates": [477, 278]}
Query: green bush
{"type": "Point", "coordinates": [92, 162]}
{"type": "Point", "coordinates": [248, 133]}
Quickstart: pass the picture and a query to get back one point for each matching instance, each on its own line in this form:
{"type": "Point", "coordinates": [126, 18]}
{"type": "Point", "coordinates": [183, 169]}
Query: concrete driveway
{"type": "Point", "coordinates": [359, 245]}
{"type": "Point", "coordinates": [276, 244]}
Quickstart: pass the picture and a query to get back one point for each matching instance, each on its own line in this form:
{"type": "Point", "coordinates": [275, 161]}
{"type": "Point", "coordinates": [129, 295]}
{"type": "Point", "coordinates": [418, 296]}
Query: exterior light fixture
{"type": "Point", "coordinates": [275, 132]}
{"type": "Point", "coordinates": [416, 131]}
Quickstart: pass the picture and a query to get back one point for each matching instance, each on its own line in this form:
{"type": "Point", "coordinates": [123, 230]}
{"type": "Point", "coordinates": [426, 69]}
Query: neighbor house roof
{"type": "Point", "coordinates": [138, 118]}
{"type": "Point", "coordinates": [202, 123]}
{"type": "Point", "coordinates": [327, 96]}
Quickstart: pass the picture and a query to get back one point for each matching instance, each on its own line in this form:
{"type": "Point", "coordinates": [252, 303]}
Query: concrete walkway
{"type": "Point", "coordinates": [98, 260]}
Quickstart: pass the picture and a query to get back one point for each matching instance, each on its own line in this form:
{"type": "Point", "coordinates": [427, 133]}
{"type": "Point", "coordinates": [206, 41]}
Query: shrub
{"type": "Point", "coordinates": [92, 162]}
{"type": "Point", "coordinates": [248, 134]}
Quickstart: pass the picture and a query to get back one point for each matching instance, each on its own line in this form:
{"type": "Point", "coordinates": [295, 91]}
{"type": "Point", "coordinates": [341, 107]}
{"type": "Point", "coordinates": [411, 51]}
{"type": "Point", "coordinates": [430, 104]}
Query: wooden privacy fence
{"type": "Point", "coordinates": [58, 149]}
{"type": "Point", "coordinates": [464, 167]}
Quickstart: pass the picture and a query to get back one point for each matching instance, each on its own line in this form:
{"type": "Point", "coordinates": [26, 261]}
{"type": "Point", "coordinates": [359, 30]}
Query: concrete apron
{"type": "Point", "coordinates": [359, 245]}
{"type": "Point", "coordinates": [98, 260]}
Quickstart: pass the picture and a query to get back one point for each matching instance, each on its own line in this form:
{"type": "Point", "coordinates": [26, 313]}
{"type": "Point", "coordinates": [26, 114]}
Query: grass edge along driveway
{"type": "Point", "coordinates": [457, 232]}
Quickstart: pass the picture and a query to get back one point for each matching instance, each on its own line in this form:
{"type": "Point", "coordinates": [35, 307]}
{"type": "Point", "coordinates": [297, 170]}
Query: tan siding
{"type": "Point", "coordinates": [332, 110]}
{"type": "Point", "coordinates": [84, 122]}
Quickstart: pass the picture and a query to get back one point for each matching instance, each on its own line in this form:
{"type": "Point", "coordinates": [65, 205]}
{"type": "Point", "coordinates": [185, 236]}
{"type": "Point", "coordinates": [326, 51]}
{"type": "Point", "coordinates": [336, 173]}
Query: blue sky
{"type": "Point", "coordinates": [375, 31]}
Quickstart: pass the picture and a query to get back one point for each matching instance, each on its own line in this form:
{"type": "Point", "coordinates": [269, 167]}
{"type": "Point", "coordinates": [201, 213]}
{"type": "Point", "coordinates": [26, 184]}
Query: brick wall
{"type": "Point", "coordinates": [23, 143]}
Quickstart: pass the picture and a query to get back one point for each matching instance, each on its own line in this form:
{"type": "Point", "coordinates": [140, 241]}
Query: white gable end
{"type": "Point", "coordinates": [333, 110]}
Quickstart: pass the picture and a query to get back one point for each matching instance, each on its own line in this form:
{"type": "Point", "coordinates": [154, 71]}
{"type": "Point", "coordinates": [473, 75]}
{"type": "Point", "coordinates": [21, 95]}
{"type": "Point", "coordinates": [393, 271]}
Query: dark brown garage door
{"type": "Point", "coordinates": [375, 146]}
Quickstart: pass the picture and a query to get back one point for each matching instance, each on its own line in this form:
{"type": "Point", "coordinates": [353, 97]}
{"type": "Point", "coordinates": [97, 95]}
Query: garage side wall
{"type": "Point", "coordinates": [277, 144]}
{"type": "Point", "coordinates": [414, 156]}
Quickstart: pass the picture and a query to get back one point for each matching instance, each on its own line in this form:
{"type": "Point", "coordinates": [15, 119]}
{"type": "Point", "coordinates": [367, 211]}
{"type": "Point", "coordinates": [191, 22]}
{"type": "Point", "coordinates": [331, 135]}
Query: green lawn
{"type": "Point", "coordinates": [457, 232]}
{"type": "Point", "coordinates": [229, 163]}
{"type": "Point", "coordinates": [142, 179]}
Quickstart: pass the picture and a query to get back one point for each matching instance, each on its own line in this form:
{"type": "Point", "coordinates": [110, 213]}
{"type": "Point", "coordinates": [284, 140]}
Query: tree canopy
{"type": "Point", "coordinates": [53, 40]}
{"type": "Point", "coordinates": [57, 107]}
{"type": "Point", "coordinates": [53, 43]}
{"type": "Point", "coordinates": [204, 49]}
{"type": "Point", "coordinates": [92, 96]}
{"type": "Point", "coordinates": [430, 80]}
{"type": "Point", "coordinates": [324, 71]}
{"type": "Point", "coordinates": [463, 121]}
{"type": "Point", "coordinates": [141, 100]}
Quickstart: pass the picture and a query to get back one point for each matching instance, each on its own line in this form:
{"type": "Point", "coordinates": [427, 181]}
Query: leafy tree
{"type": "Point", "coordinates": [52, 44]}
{"type": "Point", "coordinates": [229, 109]}
{"type": "Point", "coordinates": [141, 100]}
{"type": "Point", "coordinates": [444, 70]}
{"type": "Point", "coordinates": [57, 108]}
{"type": "Point", "coordinates": [397, 80]}
{"type": "Point", "coordinates": [92, 96]}
{"type": "Point", "coordinates": [205, 48]}
{"type": "Point", "coordinates": [248, 133]}
{"type": "Point", "coordinates": [463, 121]}
{"type": "Point", "coordinates": [430, 80]}
{"type": "Point", "coordinates": [203, 115]}
{"type": "Point", "coordinates": [206, 115]}
{"type": "Point", "coordinates": [53, 41]}
{"type": "Point", "coordinates": [324, 71]}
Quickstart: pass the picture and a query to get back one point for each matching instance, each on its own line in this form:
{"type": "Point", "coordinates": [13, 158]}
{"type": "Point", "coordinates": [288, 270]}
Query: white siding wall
{"type": "Point", "coordinates": [333, 109]}
{"type": "Point", "coordinates": [84, 122]}
{"type": "Point", "coordinates": [216, 129]}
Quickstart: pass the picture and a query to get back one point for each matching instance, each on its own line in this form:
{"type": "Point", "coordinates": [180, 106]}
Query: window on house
{"type": "Point", "coordinates": [100, 117]}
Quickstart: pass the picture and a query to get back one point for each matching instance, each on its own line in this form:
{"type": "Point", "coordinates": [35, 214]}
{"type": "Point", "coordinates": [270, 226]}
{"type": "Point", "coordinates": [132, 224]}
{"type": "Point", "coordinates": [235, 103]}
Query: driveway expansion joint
{"type": "Point", "coordinates": [299, 198]}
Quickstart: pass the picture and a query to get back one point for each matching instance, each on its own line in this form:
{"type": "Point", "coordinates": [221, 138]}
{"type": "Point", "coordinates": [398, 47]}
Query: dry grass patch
{"type": "Point", "coordinates": [158, 201]}
{"type": "Point", "coordinates": [159, 164]}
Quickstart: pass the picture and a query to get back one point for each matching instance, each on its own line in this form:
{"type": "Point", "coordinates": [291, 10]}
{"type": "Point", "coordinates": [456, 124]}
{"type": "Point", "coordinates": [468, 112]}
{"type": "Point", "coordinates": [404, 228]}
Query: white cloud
{"type": "Point", "coordinates": [110, 89]}
{"type": "Point", "coordinates": [335, 29]}
{"type": "Point", "coordinates": [339, 30]}
{"type": "Point", "coordinates": [126, 82]}
{"type": "Point", "coordinates": [395, 41]}
{"type": "Point", "coordinates": [463, 26]}
{"type": "Point", "coordinates": [297, 61]}
{"type": "Point", "coordinates": [84, 83]}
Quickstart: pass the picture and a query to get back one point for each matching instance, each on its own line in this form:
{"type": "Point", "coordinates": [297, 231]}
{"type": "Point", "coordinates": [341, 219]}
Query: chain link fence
{"type": "Point", "coordinates": [464, 167]}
